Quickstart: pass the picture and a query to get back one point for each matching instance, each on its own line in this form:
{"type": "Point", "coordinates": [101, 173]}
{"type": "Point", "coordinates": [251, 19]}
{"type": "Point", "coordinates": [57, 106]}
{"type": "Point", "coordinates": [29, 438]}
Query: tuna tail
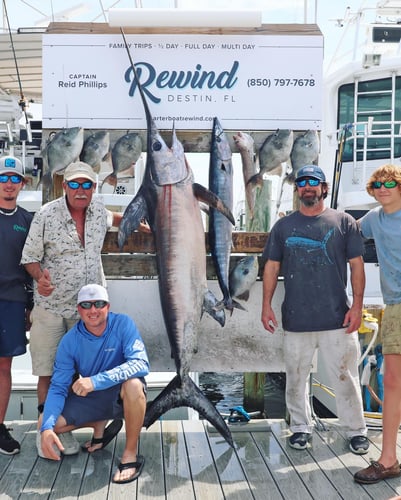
{"type": "Point", "coordinates": [255, 180]}
{"type": "Point", "coordinates": [209, 305]}
{"type": "Point", "coordinates": [110, 179]}
{"type": "Point", "coordinates": [47, 186]}
{"type": "Point", "coordinates": [182, 391]}
{"type": "Point", "coordinates": [230, 304]}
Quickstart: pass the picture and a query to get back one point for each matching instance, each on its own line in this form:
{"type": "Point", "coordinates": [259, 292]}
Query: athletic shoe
{"type": "Point", "coordinates": [71, 445]}
{"type": "Point", "coordinates": [299, 440]}
{"type": "Point", "coordinates": [359, 445]}
{"type": "Point", "coordinates": [8, 445]}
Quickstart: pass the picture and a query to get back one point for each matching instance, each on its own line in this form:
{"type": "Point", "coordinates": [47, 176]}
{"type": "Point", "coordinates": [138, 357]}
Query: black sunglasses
{"type": "Point", "coordinates": [75, 184]}
{"type": "Point", "coordinates": [99, 304]}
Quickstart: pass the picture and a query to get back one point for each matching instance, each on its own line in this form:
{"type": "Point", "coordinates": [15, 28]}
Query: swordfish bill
{"type": "Point", "coordinates": [169, 200]}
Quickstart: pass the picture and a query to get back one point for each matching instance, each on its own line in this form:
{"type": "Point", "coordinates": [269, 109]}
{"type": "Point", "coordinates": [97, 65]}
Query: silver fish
{"type": "Point", "coordinates": [168, 199]}
{"type": "Point", "coordinates": [220, 228]}
{"type": "Point", "coordinates": [246, 148]}
{"type": "Point", "coordinates": [63, 149]}
{"type": "Point", "coordinates": [125, 152]}
{"type": "Point", "coordinates": [304, 152]}
{"type": "Point", "coordinates": [274, 151]}
{"type": "Point", "coordinates": [96, 149]}
{"type": "Point", "coordinates": [243, 276]}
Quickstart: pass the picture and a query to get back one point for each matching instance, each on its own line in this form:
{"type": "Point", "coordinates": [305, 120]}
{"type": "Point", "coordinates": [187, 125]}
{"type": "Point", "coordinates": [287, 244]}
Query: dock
{"type": "Point", "coordinates": [187, 459]}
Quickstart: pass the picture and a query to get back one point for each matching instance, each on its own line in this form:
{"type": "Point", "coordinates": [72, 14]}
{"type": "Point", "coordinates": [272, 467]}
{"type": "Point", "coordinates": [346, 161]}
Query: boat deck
{"type": "Point", "coordinates": [186, 459]}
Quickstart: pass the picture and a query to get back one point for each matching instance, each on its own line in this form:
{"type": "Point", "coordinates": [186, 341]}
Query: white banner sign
{"type": "Point", "coordinates": [250, 82]}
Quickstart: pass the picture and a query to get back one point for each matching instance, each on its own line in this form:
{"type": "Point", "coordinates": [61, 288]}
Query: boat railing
{"type": "Point", "coordinates": [370, 140]}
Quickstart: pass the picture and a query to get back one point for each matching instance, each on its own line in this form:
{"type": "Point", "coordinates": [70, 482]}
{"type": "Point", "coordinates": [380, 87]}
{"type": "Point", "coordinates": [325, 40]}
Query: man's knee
{"type": "Point", "coordinates": [133, 389]}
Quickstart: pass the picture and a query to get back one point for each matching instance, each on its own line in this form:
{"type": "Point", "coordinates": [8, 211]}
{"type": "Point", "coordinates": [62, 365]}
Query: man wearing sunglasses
{"type": "Point", "coordinates": [311, 248]}
{"type": "Point", "coordinates": [108, 352]}
{"type": "Point", "coordinates": [62, 253]}
{"type": "Point", "coordinates": [16, 291]}
{"type": "Point", "coordinates": [383, 224]}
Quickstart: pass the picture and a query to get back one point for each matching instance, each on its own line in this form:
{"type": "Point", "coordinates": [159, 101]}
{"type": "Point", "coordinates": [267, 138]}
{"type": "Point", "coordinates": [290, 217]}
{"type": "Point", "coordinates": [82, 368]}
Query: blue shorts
{"type": "Point", "coordinates": [97, 405]}
{"type": "Point", "coordinates": [12, 329]}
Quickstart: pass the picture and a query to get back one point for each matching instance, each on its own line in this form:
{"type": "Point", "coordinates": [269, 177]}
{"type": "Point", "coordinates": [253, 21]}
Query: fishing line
{"type": "Point", "coordinates": [22, 101]}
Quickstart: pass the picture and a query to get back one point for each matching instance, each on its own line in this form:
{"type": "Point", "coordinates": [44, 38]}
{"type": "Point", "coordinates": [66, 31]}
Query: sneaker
{"type": "Point", "coordinates": [359, 445]}
{"type": "Point", "coordinates": [71, 445]}
{"type": "Point", "coordinates": [8, 445]}
{"type": "Point", "coordinates": [299, 440]}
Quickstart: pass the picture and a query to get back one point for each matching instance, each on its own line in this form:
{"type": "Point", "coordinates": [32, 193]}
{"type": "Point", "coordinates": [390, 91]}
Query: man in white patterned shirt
{"type": "Point", "coordinates": [63, 253]}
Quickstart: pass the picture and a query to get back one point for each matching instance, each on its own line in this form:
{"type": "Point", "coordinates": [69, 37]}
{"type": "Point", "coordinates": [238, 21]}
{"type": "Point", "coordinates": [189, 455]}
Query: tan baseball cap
{"type": "Point", "coordinates": [78, 170]}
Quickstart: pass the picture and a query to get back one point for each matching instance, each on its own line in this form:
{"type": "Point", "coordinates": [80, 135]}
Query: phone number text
{"type": "Point", "coordinates": [281, 82]}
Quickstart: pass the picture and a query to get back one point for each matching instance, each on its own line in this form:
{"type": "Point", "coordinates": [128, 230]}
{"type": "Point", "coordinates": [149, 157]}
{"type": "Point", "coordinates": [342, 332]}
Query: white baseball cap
{"type": "Point", "coordinates": [92, 292]}
{"type": "Point", "coordinates": [11, 165]}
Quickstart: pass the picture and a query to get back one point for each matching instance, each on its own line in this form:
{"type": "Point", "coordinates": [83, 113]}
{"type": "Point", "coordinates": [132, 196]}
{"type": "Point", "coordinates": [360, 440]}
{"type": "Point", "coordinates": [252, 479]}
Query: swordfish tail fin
{"type": "Point", "coordinates": [182, 391]}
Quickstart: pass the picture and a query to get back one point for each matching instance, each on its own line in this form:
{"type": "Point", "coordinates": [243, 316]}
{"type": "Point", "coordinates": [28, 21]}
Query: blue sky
{"type": "Point", "coordinates": [35, 12]}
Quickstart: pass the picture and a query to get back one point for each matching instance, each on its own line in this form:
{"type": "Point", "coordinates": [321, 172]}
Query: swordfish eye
{"type": "Point", "coordinates": [157, 145]}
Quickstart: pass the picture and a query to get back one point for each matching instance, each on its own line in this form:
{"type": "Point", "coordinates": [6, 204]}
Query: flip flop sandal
{"type": "Point", "coordinates": [110, 433]}
{"type": "Point", "coordinates": [138, 465]}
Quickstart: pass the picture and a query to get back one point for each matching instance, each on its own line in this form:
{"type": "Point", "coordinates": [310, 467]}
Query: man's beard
{"type": "Point", "coordinates": [311, 202]}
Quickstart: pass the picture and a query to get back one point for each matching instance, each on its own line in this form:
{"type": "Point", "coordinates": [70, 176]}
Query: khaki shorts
{"type": "Point", "coordinates": [46, 332]}
{"type": "Point", "coordinates": [391, 329]}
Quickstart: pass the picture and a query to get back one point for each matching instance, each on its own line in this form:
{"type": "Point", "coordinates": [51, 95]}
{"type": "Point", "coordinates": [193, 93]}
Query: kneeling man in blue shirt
{"type": "Point", "coordinates": [107, 351]}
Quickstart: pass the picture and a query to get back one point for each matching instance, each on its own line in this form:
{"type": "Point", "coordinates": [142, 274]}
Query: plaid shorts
{"type": "Point", "coordinates": [391, 329]}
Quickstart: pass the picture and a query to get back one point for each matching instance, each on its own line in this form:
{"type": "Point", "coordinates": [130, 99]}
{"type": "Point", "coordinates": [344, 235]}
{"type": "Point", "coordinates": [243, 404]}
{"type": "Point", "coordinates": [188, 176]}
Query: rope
{"type": "Point", "coordinates": [22, 101]}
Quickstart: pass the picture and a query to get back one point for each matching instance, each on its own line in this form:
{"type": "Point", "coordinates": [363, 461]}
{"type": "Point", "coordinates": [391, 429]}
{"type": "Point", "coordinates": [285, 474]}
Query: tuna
{"type": "Point", "coordinates": [124, 154]}
{"type": "Point", "coordinates": [96, 149]}
{"type": "Point", "coordinates": [246, 145]}
{"type": "Point", "coordinates": [243, 276]}
{"type": "Point", "coordinates": [220, 228]}
{"type": "Point", "coordinates": [304, 152]}
{"type": "Point", "coordinates": [275, 151]}
{"type": "Point", "coordinates": [168, 199]}
{"type": "Point", "coordinates": [63, 149]}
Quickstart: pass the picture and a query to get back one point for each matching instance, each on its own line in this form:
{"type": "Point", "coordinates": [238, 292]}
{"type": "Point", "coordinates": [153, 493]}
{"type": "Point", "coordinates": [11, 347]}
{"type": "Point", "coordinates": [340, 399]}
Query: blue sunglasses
{"type": "Point", "coordinates": [15, 179]}
{"type": "Point", "coordinates": [312, 182]}
{"type": "Point", "coordinates": [75, 184]}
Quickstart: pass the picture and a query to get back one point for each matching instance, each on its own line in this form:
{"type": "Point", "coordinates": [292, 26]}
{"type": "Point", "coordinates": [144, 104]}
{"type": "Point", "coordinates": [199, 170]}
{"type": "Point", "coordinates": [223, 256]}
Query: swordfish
{"type": "Point", "coordinates": [169, 200]}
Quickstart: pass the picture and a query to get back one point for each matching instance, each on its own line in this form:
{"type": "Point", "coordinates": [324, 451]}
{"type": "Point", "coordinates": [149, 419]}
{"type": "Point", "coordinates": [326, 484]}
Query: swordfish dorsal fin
{"type": "Point", "coordinates": [206, 196]}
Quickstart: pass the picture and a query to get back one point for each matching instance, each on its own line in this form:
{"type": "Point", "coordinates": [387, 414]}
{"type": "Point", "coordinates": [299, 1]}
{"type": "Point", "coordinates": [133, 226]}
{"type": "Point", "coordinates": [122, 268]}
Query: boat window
{"type": "Point", "coordinates": [375, 123]}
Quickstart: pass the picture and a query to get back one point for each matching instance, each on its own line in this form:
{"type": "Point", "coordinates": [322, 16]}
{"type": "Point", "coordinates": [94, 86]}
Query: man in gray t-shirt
{"type": "Point", "coordinates": [310, 248]}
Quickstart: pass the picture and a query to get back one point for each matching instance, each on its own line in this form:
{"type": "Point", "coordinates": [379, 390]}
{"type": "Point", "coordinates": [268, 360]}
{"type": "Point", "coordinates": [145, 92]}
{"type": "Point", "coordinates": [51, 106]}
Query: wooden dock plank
{"type": "Point", "coordinates": [232, 477]}
{"type": "Point", "coordinates": [176, 464]}
{"type": "Point", "coordinates": [379, 491]}
{"type": "Point", "coordinates": [151, 484]}
{"type": "Point", "coordinates": [15, 469]}
{"type": "Point", "coordinates": [260, 479]}
{"type": "Point", "coordinates": [187, 460]}
{"type": "Point", "coordinates": [203, 470]}
{"type": "Point", "coordinates": [334, 466]}
{"type": "Point", "coordinates": [285, 476]}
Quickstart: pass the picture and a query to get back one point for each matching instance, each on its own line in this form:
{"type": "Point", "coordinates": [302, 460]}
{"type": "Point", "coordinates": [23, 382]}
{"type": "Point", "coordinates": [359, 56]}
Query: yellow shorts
{"type": "Point", "coordinates": [391, 329]}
